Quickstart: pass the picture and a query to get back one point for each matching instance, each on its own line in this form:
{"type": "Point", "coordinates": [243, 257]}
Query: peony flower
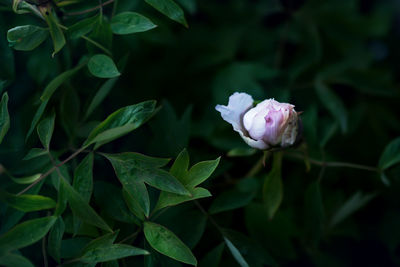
{"type": "Point", "coordinates": [268, 124]}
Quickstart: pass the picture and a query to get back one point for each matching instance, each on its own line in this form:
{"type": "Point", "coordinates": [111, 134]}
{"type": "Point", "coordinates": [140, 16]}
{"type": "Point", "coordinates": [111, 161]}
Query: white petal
{"type": "Point", "coordinates": [239, 104]}
{"type": "Point", "coordinates": [260, 144]}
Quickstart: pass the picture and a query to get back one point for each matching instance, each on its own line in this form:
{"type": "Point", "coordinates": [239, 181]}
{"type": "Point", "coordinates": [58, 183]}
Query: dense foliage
{"type": "Point", "coordinates": [112, 152]}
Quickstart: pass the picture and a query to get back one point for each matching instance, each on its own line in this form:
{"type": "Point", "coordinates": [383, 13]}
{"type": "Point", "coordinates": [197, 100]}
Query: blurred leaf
{"type": "Point", "coordinates": [213, 257]}
{"type": "Point", "coordinates": [314, 212]}
{"type": "Point", "coordinates": [170, 9]}
{"type": "Point", "coordinates": [81, 209]}
{"type": "Point", "coordinates": [4, 117]}
{"type": "Point", "coordinates": [83, 178]}
{"type": "Point", "coordinates": [391, 155]}
{"type": "Point", "coordinates": [34, 153]}
{"type": "Point", "coordinates": [26, 180]}
{"type": "Point", "coordinates": [26, 233]}
{"type": "Point", "coordinates": [56, 33]}
{"type": "Point", "coordinates": [45, 130]}
{"type": "Point", "coordinates": [71, 248]}
{"type": "Point", "coordinates": [103, 66]}
{"type": "Point", "coordinates": [70, 111]}
{"type": "Point", "coordinates": [250, 251]}
{"type": "Point", "coordinates": [273, 188]}
{"type": "Point", "coordinates": [130, 22]}
{"type": "Point", "coordinates": [332, 103]}
{"type": "Point", "coordinates": [100, 95]}
{"type": "Point", "coordinates": [108, 197]}
{"type": "Point", "coordinates": [167, 243]}
{"type": "Point", "coordinates": [356, 202]}
{"type": "Point", "coordinates": [113, 252]}
{"type": "Point", "coordinates": [55, 239]}
{"type": "Point", "coordinates": [171, 133]}
{"type": "Point", "coordinates": [236, 253]}
{"type": "Point", "coordinates": [82, 27]}
{"type": "Point", "coordinates": [121, 122]}
{"type": "Point", "coordinates": [101, 242]}
{"type": "Point", "coordinates": [27, 37]}
{"type": "Point", "coordinates": [133, 170]}
{"type": "Point", "coordinates": [28, 203]}
{"type": "Point", "coordinates": [235, 198]}
{"type": "Point", "coordinates": [241, 152]}
{"type": "Point", "coordinates": [36, 118]}
{"type": "Point", "coordinates": [13, 260]}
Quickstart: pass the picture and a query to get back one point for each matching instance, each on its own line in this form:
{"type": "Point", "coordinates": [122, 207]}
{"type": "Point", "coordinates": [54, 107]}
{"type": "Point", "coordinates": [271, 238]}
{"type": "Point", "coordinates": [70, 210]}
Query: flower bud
{"type": "Point", "coordinates": [268, 124]}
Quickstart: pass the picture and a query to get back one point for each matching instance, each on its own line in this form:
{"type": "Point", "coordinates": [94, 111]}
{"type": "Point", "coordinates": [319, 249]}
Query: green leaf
{"type": "Point", "coordinates": [58, 81]}
{"type": "Point", "coordinates": [134, 205]}
{"type": "Point", "coordinates": [82, 27]}
{"type": "Point", "coordinates": [181, 164]}
{"type": "Point", "coordinates": [55, 239]}
{"type": "Point", "coordinates": [273, 188]}
{"type": "Point", "coordinates": [241, 152]}
{"type": "Point", "coordinates": [169, 199]}
{"type": "Point", "coordinates": [13, 260]}
{"type": "Point", "coordinates": [134, 170]}
{"type": "Point", "coordinates": [114, 252]}
{"type": "Point", "coordinates": [332, 103]}
{"type": "Point", "coordinates": [4, 117]}
{"type": "Point", "coordinates": [82, 209]}
{"type": "Point", "coordinates": [357, 201]}
{"type": "Point", "coordinates": [170, 9]}
{"type": "Point", "coordinates": [27, 203]}
{"type": "Point", "coordinates": [314, 213]}
{"type": "Point", "coordinates": [83, 178]}
{"type": "Point", "coordinates": [34, 153]}
{"type": "Point", "coordinates": [26, 233]}
{"type": "Point", "coordinates": [56, 33]}
{"type": "Point", "coordinates": [120, 123]}
{"type": "Point", "coordinates": [131, 22]}
{"type": "Point", "coordinates": [236, 253]}
{"type": "Point", "coordinates": [26, 180]}
{"type": "Point", "coordinates": [213, 257]}
{"type": "Point", "coordinates": [45, 130]}
{"type": "Point", "coordinates": [391, 155]}
{"type": "Point", "coordinates": [100, 95]}
{"type": "Point", "coordinates": [235, 198]}
{"type": "Point", "coordinates": [101, 242]}
{"type": "Point", "coordinates": [200, 172]}
{"type": "Point", "coordinates": [103, 66]}
{"type": "Point", "coordinates": [167, 243]}
{"type": "Point", "coordinates": [36, 118]}
{"type": "Point", "coordinates": [27, 37]}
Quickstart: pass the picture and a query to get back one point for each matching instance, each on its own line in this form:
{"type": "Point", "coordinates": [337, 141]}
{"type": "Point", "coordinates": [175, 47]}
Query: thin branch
{"type": "Point", "coordinates": [131, 236]}
{"type": "Point", "coordinates": [45, 261]}
{"type": "Point", "coordinates": [335, 163]}
{"type": "Point", "coordinates": [208, 216]}
{"type": "Point", "coordinates": [55, 167]}
{"type": "Point", "coordinates": [97, 44]}
{"type": "Point", "coordinates": [90, 9]}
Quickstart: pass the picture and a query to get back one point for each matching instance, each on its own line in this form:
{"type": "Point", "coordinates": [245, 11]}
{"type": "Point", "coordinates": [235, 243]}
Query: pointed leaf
{"type": "Point", "coordinates": [121, 122]}
{"type": "Point", "coordinates": [131, 22]}
{"type": "Point", "coordinates": [4, 117]}
{"type": "Point", "coordinates": [36, 118]}
{"type": "Point", "coordinates": [27, 37]}
{"type": "Point", "coordinates": [28, 203]}
{"type": "Point", "coordinates": [81, 209]}
{"type": "Point", "coordinates": [45, 130]}
{"type": "Point", "coordinates": [83, 177]}
{"type": "Point", "coordinates": [180, 167]}
{"type": "Point", "coordinates": [273, 188]}
{"type": "Point", "coordinates": [82, 27]}
{"type": "Point", "coordinates": [34, 153]}
{"type": "Point", "coordinates": [391, 154]}
{"type": "Point", "coordinates": [103, 66]}
{"type": "Point", "coordinates": [100, 95]}
{"type": "Point", "coordinates": [200, 172]}
{"type": "Point", "coordinates": [169, 199]}
{"type": "Point", "coordinates": [236, 253]}
{"type": "Point", "coordinates": [26, 233]}
{"type": "Point", "coordinates": [114, 252]}
{"type": "Point", "coordinates": [167, 243]}
{"type": "Point", "coordinates": [55, 237]}
{"type": "Point", "coordinates": [56, 33]}
{"type": "Point", "coordinates": [170, 9]}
